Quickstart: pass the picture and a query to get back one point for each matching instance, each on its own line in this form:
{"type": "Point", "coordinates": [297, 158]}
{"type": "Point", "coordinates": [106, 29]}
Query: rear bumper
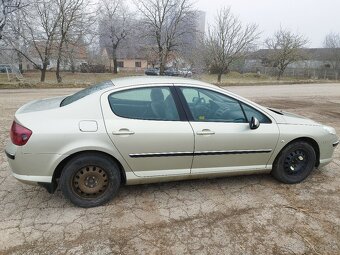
{"type": "Point", "coordinates": [10, 155]}
{"type": "Point", "coordinates": [25, 169]}
{"type": "Point", "coordinates": [32, 179]}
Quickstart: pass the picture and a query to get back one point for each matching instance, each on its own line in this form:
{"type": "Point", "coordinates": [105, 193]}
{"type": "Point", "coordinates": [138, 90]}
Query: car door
{"type": "Point", "coordinates": [224, 141]}
{"type": "Point", "coordinates": [149, 129]}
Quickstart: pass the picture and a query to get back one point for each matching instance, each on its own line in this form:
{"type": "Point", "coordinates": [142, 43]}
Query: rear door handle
{"type": "Point", "coordinates": [123, 131]}
{"type": "Point", "coordinates": [205, 132]}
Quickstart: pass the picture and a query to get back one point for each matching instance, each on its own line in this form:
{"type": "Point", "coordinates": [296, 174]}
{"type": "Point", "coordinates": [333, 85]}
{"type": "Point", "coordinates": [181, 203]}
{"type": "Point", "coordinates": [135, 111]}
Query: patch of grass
{"type": "Point", "coordinates": [238, 79]}
{"type": "Point", "coordinates": [80, 80]}
{"type": "Point", "coordinates": [70, 80]}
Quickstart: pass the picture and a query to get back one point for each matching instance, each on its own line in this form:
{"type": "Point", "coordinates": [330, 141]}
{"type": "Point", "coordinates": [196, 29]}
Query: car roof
{"type": "Point", "coordinates": [141, 80]}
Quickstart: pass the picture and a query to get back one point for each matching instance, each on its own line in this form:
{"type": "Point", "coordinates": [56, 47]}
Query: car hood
{"type": "Point", "coordinates": [41, 105]}
{"type": "Point", "coordinates": [293, 119]}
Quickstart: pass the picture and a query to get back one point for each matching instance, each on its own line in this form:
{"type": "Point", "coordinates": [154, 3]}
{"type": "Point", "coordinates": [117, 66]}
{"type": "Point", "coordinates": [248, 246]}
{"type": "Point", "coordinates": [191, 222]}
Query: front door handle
{"type": "Point", "coordinates": [123, 131]}
{"type": "Point", "coordinates": [205, 132]}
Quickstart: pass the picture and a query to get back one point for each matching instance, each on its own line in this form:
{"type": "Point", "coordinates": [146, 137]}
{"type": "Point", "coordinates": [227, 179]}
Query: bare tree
{"type": "Point", "coordinates": [285, 49]}
{"type": "Point", "coordinates": [165, 24]}
{"type": "Point", "coordinates": [13, 30]}
{"type": "Point", "coordinates": [115, 26]}
{"type": "Point", "coordinates": [228, 40]}
{"type": "Point", "coordinates": [332, 42]}
{"type": "Point", "coordinates": [72, 15]}
{"type": "Point", "coordinates": [38, 33]}
{"type": "Point", "coordinates": [6, 8]}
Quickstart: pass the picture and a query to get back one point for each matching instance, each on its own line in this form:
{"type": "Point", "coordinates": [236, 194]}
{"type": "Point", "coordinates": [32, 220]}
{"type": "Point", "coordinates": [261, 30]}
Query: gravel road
{"type": "Point", "coordinates": [235, 215]}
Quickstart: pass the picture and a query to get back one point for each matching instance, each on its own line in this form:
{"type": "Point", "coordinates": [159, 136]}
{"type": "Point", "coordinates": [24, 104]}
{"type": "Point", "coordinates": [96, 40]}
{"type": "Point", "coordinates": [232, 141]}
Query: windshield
{"type": "Point", "coordinates": [85, 92]}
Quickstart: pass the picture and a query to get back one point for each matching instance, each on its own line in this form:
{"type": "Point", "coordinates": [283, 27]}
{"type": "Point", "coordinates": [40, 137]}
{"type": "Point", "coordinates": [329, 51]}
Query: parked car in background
{"type": "Point", "coordinates": [152, 71]}
{"type": "Point", "coordinates": [171, 72]}
{"type": "Point", "coordinates": [185, 72]}
{"type": "Point", "coordinates": [152, 129]}
{"type": "Point", "coordinates": [5, 68]}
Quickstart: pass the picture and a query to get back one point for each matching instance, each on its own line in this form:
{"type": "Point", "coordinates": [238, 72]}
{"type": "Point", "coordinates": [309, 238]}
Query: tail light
{"type": "Point", "coordinates": [19, 134]}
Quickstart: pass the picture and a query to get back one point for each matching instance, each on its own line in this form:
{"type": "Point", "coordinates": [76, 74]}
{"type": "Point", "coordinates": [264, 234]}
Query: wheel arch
{"type": "Point", "coordinates": [308, 140]}
{"type": "Point", "coordinates": [58, 170]}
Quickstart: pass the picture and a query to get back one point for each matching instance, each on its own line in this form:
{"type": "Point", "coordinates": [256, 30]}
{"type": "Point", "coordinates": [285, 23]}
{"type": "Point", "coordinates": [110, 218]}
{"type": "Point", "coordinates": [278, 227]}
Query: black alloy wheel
{"type": "Point", "coordinates": [294, 163]}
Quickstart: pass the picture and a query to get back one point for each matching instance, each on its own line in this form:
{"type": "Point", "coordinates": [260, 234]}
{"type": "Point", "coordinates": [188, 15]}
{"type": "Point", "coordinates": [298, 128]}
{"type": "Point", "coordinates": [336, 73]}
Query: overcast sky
{"type": "Point", "coordinates": [313, 18]}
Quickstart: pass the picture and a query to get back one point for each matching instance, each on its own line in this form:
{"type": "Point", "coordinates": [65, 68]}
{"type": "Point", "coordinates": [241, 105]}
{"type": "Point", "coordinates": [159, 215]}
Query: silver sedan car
{"type": "Point", "coordinates": [154, 129]}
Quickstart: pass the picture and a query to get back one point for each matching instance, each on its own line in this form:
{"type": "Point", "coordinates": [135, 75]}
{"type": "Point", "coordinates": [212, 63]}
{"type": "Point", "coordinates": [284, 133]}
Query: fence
{"type": "Point", "coordinates": [302, 73]}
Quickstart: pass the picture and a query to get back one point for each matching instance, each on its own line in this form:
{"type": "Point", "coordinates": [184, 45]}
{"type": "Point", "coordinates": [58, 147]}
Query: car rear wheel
{"type": "Point", "coordinates": [90, 180]}
{"type": "Point", "coordinates": [295, 163]}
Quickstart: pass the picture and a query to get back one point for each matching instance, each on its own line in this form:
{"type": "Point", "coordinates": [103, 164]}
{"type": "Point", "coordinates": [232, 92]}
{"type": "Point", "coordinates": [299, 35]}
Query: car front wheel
{"type": "Point", "coordinates": [294, 163]}
{"type": "Point", "coordinates": [90, 180]}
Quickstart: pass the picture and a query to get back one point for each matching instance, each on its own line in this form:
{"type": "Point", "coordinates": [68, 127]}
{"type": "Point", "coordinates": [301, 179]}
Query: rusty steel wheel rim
{"type": "Point", "coordinates": [90, 182]}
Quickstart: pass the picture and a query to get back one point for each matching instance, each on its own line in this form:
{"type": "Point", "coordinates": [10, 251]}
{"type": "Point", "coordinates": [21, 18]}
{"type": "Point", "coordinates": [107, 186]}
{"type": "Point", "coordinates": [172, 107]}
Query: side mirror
{"type": "Point", "coordinates": [254, 123]}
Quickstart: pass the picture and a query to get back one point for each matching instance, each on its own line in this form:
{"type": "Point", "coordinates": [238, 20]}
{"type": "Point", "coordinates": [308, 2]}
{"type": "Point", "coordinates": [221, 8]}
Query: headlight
{"type": "Point", "coordinates": [329, 130]}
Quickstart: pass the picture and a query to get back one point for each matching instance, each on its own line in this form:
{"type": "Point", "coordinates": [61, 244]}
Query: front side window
{"type": "Point", "coordinates": [210, 106]}
{"type": "Point", "coordinates": [251, 112]}
{"type": "Point", "coordinates": [154, 103]}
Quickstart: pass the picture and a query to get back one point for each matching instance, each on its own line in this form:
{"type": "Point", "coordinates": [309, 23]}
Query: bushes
{"type": "Point", "coordinates": [86, 68]}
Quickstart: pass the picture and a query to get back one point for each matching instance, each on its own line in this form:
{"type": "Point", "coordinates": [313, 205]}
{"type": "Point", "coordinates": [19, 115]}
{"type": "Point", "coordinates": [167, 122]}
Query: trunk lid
{"type": "Point", "coordinates": [41, 105]}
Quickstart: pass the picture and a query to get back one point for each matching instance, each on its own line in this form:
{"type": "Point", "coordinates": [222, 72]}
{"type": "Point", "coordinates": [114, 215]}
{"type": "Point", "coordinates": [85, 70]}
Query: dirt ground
{"type": "Point", "coordinates": [235, 215]}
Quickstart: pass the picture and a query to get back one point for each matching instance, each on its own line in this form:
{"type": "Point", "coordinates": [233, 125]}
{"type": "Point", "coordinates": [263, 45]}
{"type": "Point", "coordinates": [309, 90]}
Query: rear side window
{"type": "Point", "coordinates": [154, 103]}
{"type": "Point", "coordinates": [85, 92]}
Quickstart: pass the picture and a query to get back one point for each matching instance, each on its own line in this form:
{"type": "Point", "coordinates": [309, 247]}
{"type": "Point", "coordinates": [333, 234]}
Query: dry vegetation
{"type": "Point", "coordinates": [235, 215]}
{"type": "Point", "coordinates": [80, 80]}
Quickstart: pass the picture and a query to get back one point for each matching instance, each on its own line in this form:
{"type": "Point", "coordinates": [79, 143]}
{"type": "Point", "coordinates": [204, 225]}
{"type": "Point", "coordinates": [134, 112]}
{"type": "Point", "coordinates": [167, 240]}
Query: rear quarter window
{"type": "Point", "coordinates": [154, 103]}
{"type": "Point", "coordinates": [85, 92]}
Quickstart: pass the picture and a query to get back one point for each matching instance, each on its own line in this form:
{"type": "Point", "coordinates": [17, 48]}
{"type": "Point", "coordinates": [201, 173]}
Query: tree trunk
{"type": "Point", "coordinates": [219, 77]}
{"type": "Point", "coordinates": [115, 66]}
{"type": "Point", "coordinates": [20, 62]}
{"type": "Point", "coordinates": [161, 68]}
{"type": "Point", "coordinates": [114, 60]}
{"type": "Point", "coordinates": [43, 73]}
{"type": "Point", "coordinates": [73, 66]}
{"type": "Point", "coordinates": [163, 59]}
{"type": "Point", "coordinates": [57, 73]}
{"type": "Point", "coordinates": [279, 75]}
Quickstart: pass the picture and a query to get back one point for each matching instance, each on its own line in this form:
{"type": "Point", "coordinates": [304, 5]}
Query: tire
{"type": "Point", "coordinates": [90, 180]}
{"type": "Point", "coordinates": [294, 163]}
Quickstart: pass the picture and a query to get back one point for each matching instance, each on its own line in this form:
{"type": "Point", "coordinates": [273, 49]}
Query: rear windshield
{"type": "Point", "coordinates": [85, 92]}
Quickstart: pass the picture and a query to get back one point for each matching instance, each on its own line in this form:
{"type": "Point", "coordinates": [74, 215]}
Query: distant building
{"type": "Point", "coordinates": [200, 23]}
{"type": "Point", "coordinates": [190, 42]}
{"type": "Point", "coordinates": [136, 53]}
{"type": "Point", "coordinates": [72, 57]}
{"type": "Point", "coordinates": [126, 61]}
